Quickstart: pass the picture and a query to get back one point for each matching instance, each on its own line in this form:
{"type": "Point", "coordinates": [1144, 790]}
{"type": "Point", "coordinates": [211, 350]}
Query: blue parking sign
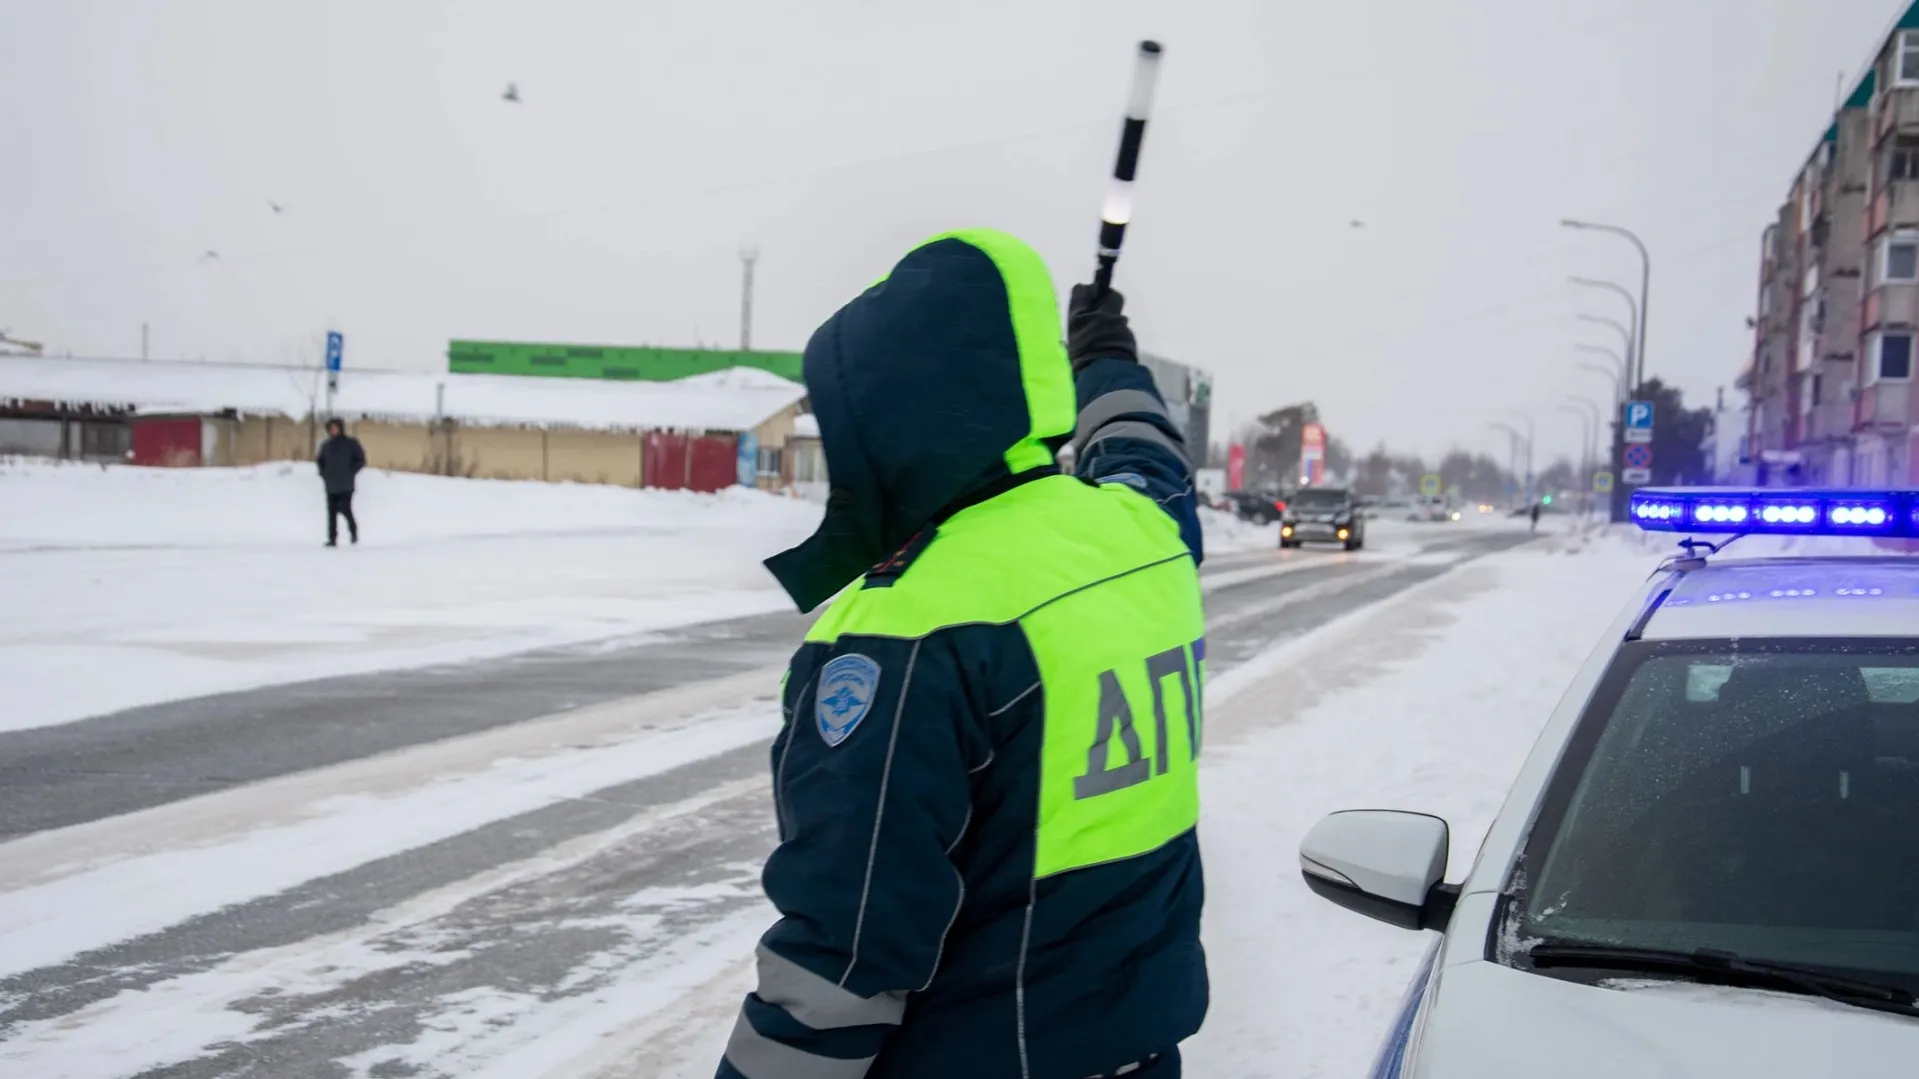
{"type": "Point", "coordinates": [1639, 415]}
{"type": "Point", "coordinates": [335, 346]}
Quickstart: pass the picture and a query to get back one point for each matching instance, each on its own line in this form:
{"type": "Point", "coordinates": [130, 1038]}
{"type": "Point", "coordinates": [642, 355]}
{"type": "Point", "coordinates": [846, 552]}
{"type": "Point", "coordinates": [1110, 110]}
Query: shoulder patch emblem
{"type": "Point", "coordinates": [847, 686]}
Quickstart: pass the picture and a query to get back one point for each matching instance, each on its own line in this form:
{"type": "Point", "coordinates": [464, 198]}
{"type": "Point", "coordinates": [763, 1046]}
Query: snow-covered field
{"type": "Point", "coordinates": [128, 586]}
{"type": "Point", "coordinates": [125, 586]}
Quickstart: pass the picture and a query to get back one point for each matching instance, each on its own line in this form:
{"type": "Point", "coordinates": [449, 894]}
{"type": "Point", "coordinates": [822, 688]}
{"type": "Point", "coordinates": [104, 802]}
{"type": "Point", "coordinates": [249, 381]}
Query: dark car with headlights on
{"type": "Point", "coordinates": [1323, 515]}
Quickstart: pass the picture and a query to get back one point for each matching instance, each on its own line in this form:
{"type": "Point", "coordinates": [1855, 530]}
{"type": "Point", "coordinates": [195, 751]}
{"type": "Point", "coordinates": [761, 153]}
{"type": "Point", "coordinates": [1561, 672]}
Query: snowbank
{"type": "Point", "coordinates": [129, 586]}
{"type": "Point", "coordinates": [1229, 532]}
{"type": "Point", "coordinates": [1429, 702]}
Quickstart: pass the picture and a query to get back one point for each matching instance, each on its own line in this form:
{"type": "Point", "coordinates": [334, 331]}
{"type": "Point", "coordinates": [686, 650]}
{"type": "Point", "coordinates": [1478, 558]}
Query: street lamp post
{"type": "Point", "coordinates": [1529, 449]}
{"type": "Point", "coordinates": [1626, 384]}
{"type": "Point", "coordinates": [1585, 444]}
{"type": "Point", "coordinates": [1645, 287]}
{"type": "Point", "coordinates": [1625, 338]}
{"type": "Point", "coordinates": [1632, 312]}
{"type": "Point", "coordinates": [1596, 417]}
{"type": "Point", "coordinates": [1512, 447]}
{"type": "Point", "coordinates": [1618, 374]}
{"type": "Point", "coordinates": [1611, 376]}
{"type": "Point", "coordinates": [1614, 376]}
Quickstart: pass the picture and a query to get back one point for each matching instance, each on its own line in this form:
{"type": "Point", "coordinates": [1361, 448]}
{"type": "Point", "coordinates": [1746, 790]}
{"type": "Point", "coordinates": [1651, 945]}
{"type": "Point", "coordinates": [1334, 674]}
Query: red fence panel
{"type": "Point", "coordinates": [715, 464]}
{"type": "Point", "coordinates": [676, 462]}
{"type": "Point", "coordinates": [168, 443]}
{"type": "Point", "coordinates": [664, 462]}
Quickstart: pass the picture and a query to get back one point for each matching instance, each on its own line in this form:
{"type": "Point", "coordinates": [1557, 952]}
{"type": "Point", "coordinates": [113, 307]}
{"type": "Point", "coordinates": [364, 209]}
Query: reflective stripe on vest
{"type": "Point", "coordinates": [1108, 597]}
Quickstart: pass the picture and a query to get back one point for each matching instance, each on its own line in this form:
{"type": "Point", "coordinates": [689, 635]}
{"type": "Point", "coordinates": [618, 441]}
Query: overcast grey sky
{"type": "Point", "coordinates": [654, 139]}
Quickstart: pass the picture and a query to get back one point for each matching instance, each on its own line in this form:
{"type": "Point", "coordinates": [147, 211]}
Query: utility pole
{"type": "Point", "coordinates": [748, 256]}
{"type": "Point", "coordinates": [143, 340]}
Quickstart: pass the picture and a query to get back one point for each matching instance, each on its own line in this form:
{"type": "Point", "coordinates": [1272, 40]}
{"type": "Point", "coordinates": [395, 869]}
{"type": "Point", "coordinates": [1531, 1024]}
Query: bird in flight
{"type": "Point", "coordinates": [277, 208]}
{"type": "Point", "coordinates": [512, 93]}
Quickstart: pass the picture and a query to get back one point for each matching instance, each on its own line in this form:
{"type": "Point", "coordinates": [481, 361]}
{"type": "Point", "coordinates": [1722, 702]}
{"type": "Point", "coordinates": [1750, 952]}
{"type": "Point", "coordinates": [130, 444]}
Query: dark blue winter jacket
{"type": "Point", "coordinates": [946, 909]}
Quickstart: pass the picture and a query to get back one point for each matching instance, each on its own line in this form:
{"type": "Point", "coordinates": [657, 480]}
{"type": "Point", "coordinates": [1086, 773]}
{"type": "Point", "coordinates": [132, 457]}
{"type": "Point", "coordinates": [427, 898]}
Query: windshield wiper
{"type": "Point", "coordinates": [1717, 967]}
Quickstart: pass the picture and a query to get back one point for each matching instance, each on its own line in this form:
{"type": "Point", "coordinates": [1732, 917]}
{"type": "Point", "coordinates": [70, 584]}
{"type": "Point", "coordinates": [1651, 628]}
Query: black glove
{"type": "Point", "coordinates": [1098, 330]}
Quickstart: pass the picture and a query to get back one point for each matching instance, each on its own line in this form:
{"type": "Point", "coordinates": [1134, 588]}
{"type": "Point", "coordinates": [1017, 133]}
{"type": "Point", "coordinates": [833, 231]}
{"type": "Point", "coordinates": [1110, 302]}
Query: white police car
{"type": "Point", "coordinates": [1709, 864]}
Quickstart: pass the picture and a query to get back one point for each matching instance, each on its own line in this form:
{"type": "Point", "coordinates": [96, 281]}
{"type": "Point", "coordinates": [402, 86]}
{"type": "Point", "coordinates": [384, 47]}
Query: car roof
{"type": "Point", "coordinates": [1790, 597]}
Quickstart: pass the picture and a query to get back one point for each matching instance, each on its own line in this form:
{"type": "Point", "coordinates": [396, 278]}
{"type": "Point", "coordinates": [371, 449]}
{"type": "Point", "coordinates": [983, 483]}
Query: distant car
{"type": "Point", "coordinates": [1323, 515]}
{"type": "Point", "coordinates": [1259, 507]}
{"type": "Point", "coordinates": [1433, 508]}
{"type": "Point", "coordinates": [1716, 818]}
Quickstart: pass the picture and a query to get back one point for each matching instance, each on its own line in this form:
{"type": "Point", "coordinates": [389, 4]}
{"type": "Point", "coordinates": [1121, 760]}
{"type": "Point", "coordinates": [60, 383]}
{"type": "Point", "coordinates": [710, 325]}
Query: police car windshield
{"type": "Point", "coordinates": [1319, 498]}
{"type": "Point", "coordinates": [1755, 797]}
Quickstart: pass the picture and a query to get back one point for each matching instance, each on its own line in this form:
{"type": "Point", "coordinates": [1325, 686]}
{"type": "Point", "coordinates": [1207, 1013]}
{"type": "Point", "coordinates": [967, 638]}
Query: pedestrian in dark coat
{"type": "Point", "coordinates": [340, 459]}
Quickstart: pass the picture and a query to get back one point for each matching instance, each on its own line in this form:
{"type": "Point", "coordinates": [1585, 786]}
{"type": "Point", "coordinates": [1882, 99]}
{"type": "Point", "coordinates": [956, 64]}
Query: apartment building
{"type": "Point", "coordinates": [1830, 377]}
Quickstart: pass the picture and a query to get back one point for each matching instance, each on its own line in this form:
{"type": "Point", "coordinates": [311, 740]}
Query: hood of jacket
{"type": "Point", "coordinates": [945, 381]}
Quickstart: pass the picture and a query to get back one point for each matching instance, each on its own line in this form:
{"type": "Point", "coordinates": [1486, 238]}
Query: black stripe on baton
{"type": "Point", "coordinates": [1126, 164]}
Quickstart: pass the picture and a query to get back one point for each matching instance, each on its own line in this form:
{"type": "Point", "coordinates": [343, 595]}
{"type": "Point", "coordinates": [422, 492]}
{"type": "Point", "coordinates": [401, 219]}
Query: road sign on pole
{"type": "Point", "coordinates": [1638, 456]}
{"type": "Point", "coordinates": [1637, 477]}
{"type": "Point", "coordinates": [1602, 483]}
{"type": "Point", "coordinates": [1429, 485]}
{"type": "Point", "coordinates": [1638, 426]}
{"type": "Point", "coordinates": [335, 348]}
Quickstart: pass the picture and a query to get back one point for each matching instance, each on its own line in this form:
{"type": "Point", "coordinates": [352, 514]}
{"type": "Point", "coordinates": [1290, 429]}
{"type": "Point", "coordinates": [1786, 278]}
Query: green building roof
{"type": "Point", "coordinates": [608, 361]}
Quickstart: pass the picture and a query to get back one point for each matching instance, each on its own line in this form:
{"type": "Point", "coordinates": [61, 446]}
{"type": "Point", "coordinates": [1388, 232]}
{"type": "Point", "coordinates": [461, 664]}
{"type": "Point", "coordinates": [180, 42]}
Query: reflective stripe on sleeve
{"type": "Point", "coordinates": [1145, 432]}
{"type": "Point", "coordinates": [757, 1056]}
{"type": "Point", "coordinates": [1106, 407]}
{"type": "Point", "coordinates": [819, 1003]}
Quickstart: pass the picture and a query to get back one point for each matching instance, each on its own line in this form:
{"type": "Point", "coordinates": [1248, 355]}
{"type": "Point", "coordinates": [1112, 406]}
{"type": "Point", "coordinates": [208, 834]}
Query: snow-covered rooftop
{"type": "Point", "coordinates": [736, 399]}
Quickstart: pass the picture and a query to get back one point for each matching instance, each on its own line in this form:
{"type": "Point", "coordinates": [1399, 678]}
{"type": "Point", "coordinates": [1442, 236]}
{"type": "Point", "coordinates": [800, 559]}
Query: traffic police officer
{"type": "Point", "coordinates": [986, 785]}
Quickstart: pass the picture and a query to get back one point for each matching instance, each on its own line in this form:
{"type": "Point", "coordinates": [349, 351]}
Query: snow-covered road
{"type": "Point", "coordinates": [577, 894]}
{"type": "Point", "coordinates": [545, 863]}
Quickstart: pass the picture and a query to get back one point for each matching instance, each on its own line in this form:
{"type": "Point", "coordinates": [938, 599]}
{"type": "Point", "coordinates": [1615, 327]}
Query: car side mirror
{"type": "Point", "coordinates": [1386, 864]}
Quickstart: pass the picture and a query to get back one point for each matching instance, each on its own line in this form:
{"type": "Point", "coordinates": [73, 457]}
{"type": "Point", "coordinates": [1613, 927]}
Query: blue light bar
{"type": "Point", "coordinates": [1805, 511]}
